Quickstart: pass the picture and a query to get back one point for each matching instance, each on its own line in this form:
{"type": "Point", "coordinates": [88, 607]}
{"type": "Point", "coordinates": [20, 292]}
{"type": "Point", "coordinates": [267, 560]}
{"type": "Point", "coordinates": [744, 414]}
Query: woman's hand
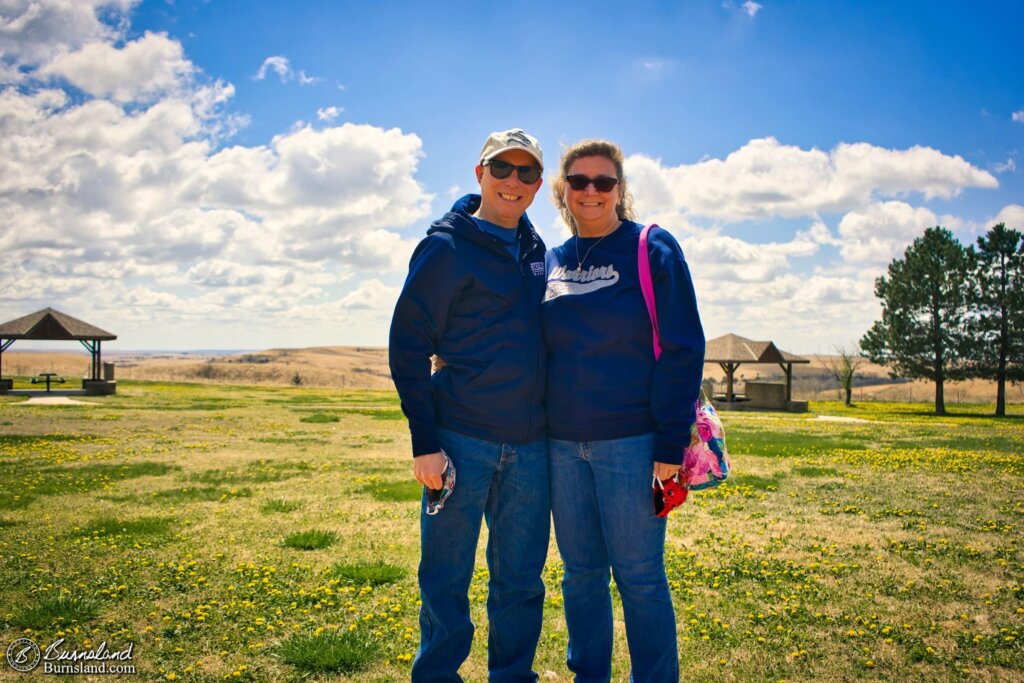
{"type": "Point", "coordinates": [665, 470]}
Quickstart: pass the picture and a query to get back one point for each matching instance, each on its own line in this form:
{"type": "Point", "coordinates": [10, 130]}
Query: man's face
{"type": "Point", "coordinates": [504, 200]}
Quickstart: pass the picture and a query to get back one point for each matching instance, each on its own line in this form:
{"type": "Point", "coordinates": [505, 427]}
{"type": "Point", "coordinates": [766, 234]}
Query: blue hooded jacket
{"type": "Point", "coordinates": [467, 300]}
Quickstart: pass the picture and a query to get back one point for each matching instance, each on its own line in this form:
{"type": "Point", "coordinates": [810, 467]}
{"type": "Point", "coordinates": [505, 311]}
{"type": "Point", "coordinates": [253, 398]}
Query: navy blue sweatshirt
{"type": "Point", "coordinates": [469, 301]}
{"type": "Point", "coordinates": [603, 382]}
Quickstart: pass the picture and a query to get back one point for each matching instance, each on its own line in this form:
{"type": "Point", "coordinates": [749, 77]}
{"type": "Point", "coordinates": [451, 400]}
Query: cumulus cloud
{"type": "Point", "coordinates": [1011, 214]}
{"type": "Point", "coordinates": [141, 69]}
{"type": "Point", "coordinates": [127, 201]}
{"type": "Point", "coordinates": [759, 289]}
{"type": "Point", "coordinates": [878, 233]}
{"type": "Point", "coordinates": [766, 179]}
{"type": "Point", "coordinates": [371, 294]}
{"type": "Point", "coordinates": [1018, 116]}
{"type": "Point", "coordinates": [34, 31]}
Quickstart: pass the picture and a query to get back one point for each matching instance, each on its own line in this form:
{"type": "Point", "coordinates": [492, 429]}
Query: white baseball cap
{"type": "Point", "coordinates": [515, 138]}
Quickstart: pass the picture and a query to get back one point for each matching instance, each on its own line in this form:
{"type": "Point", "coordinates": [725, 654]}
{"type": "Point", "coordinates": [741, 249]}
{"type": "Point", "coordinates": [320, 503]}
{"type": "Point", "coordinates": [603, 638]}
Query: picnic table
{"type": "Point", "coordinates": [47, 377]}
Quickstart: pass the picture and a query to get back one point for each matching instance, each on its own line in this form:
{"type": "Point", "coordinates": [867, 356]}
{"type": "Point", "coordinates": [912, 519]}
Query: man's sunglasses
{"type": "Point", "coordinates": [502, 169]}
{"type": "Point", "coordinates": [602, 183]}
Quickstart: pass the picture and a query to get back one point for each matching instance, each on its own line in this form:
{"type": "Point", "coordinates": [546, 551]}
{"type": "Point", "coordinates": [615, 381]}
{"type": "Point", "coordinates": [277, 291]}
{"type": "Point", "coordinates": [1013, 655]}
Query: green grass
{"type": "Point", "coordinates": [376, 413]}
{"type": "Point", "coordinates": [62, 610]}
{"type": "Point", "coordinates": [330, 652]}
{"type": "Point", "coordinates": [277, 505]}
{"type": "Point", "coordinates": [111, 526]}
{"type": "Point", "coordinates": [375, 573]}
{"type": "Point", "coordinates": [394, 491]}
{"type": "Point", "coordinates": [310, 540]}
{"type": "Point", "coordinates": [255, 473]}
{"type": "Point", "coordinates": [196, 494]}
{"type": "Point", "coordinates": [812, 471]}
{"type": "Point", "coordinates": [169, 520]}
{"type": "Point", "coordinates": [320, 418]}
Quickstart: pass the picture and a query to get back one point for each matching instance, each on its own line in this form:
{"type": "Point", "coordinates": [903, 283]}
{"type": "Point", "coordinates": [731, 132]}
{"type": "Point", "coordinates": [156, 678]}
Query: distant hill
{"type": "Point", "coordinates": [357, 367]}
{"type": "Point", "coordinates": [365, 367]}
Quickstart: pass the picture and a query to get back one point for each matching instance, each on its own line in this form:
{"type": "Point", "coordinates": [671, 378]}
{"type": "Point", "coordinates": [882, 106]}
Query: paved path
{"type": "Point", "coordinates": [53, 401]}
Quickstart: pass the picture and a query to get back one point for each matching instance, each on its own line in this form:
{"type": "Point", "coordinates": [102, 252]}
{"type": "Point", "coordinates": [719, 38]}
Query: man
{"type": "Point", "coordinates": [472, 297]}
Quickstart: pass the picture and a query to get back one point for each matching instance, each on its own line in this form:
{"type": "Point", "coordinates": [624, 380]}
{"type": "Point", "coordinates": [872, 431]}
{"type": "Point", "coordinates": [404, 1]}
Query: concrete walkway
{"type": "Point", "coordinates": [53, 401]}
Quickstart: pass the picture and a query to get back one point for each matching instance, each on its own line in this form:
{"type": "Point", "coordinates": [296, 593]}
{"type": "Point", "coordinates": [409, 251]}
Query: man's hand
{"type": "Point", "coordinates": [428, 469]}
{"type": "Point", "coordinates": [665, 470]}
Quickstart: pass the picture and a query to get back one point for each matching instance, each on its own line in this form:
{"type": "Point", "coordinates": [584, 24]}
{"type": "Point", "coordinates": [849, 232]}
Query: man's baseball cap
{"type": "Point", "coordinates": [515, 138]}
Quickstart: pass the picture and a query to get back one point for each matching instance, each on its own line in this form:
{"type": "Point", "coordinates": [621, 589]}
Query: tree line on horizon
{"type": "Point", "coordinates": [952, 312]}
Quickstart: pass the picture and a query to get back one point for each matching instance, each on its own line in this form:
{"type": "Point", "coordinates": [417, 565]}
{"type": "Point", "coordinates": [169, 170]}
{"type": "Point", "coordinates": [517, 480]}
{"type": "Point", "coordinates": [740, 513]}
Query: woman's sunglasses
{"type": "Point", "coordinates": [602, 183]}
{"type": "Point", "coordinates": [502, 169]}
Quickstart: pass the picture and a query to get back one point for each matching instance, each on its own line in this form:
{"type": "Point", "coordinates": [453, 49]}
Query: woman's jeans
{"type": "Point", "coordinates": [508, 486]}
{"type": "Point", "coordinates": [604, 517]}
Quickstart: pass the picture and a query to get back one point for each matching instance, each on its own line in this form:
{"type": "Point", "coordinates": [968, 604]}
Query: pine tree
{"type": "Point", "coordinates": [998, 307]}
{"type": "Point", "coordinates": [923, 330]}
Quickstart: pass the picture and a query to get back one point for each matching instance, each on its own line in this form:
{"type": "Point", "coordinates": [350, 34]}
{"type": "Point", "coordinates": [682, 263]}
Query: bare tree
{"type": "Point", "coordinates": [844, 367]}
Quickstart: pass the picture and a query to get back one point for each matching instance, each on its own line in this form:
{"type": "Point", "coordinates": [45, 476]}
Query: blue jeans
{"type": "Point", "coordinates": [604, 519]}
{"type": "Point", "coordinates": [508, 486]}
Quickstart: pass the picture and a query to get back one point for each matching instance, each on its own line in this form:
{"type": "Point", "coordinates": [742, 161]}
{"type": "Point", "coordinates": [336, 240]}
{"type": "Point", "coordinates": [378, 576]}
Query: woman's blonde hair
{"type": "Point", "coordinates": [592, 148]}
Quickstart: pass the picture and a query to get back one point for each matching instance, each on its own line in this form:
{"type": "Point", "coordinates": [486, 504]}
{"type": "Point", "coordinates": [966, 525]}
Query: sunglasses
{"type": "Point", "coordinates": [602, 183]}
{"type": "Point", "coordinates": [502, 169]}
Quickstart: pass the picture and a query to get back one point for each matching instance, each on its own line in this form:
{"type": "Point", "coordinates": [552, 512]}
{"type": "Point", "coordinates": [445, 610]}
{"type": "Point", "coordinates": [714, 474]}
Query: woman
{"type": "Point", "coordinates": [615, 417]}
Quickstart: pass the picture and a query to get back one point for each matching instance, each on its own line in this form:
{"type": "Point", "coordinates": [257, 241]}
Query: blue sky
{"type": "Point", "coordinates": [255, 174]}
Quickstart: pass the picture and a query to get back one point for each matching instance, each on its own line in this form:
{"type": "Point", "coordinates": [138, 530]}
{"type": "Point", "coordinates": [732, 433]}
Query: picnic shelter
{"type": "Point", "coordinates": [731, 350]}
{"type": "Point", "coordinates": [52, 325]}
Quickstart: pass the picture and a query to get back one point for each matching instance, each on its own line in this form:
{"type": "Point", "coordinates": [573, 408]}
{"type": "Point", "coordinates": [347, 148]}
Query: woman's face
{"type": "Point", "coordinates": [593, 210]}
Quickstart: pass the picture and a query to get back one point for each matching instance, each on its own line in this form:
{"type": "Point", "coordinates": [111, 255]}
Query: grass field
{"type": "Point", "coordinates": [269, 534]}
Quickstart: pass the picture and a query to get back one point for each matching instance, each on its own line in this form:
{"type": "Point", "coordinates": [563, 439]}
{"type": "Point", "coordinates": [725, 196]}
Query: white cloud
{"type": "Point", "coordinates": [278, 64]}
{"type": "Point", "coordinates": [126, 207]}
{"type": "Point", "coordinates": [329, 113]}
{"type": "Point", "coordinates": [34, 31]}
{"type": "Point", "coordinates": [141, 69]}
{"type": "Point", "coordinates": [765, 178]}
{"type": "Point", "coordinates": [749, 7]}
{"type": "Point", "coordinates": [878, 233]}
{"type": "Point", "coordinates": [1018, 116]}
{"type": "Point", "coordinates": [371, 294]}
{"type": "Point", "coordinates": [752, 8]}
{"type": "Point", "coordinates": [1009, 165]}
{"type": "Point", "coordinates": [454, 192]}
{"type": "Point", "coordinates": [1011, 214]}
{"type": "Point", "coordinates": [283, 68]}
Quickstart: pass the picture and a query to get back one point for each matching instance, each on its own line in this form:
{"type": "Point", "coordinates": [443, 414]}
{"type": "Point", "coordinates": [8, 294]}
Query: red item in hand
{"type": "Point", "coordinates": [668, 495]}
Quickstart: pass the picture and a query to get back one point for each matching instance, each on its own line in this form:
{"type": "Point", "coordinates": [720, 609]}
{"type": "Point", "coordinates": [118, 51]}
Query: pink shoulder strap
{"type": "Point", "coordinates": [643, 261]}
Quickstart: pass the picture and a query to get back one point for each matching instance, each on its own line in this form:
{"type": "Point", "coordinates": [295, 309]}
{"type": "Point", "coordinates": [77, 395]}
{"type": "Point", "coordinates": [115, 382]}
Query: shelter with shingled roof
{"type": "Point", "coordinates": [731, 350]}
{"type": "Point", "coordinates": [51, 325]}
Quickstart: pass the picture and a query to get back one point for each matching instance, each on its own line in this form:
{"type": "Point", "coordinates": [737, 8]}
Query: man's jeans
{"type": "Point", "coordinates": [508, 486]}
{"type": "Point", "coordinates": [604, 516]}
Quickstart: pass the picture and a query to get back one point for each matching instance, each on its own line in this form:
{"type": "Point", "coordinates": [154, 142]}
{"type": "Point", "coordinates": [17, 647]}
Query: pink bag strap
{"type": "Point", "coordinates": [643, 262]}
